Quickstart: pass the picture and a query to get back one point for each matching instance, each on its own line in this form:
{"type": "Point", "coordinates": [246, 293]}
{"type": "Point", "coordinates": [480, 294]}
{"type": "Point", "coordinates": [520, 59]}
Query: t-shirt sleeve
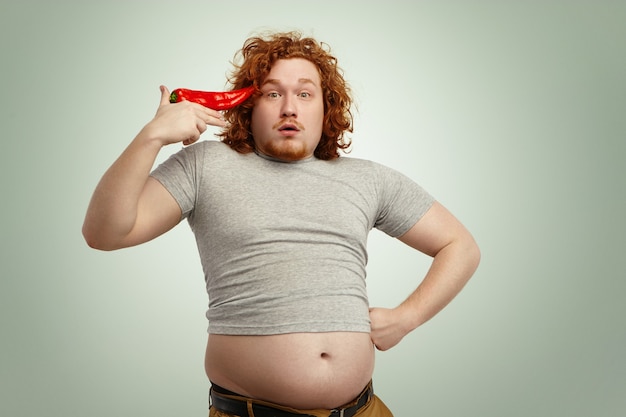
{"type": "Point", "coordinates": [402, 202]}
{"type": "Point", "coordinates": [180, 175]}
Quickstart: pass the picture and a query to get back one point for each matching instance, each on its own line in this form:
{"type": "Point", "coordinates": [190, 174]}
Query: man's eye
{"type": "Point", "coordinates": [273, 94]}
{"type": "Point", "coordinates": [305, 94]}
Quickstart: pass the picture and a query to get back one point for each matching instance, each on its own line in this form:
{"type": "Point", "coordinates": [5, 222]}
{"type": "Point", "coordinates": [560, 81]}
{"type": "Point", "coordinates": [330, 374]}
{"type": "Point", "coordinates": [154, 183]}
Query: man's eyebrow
{"type": "Point", "coordinates": [275, 81]}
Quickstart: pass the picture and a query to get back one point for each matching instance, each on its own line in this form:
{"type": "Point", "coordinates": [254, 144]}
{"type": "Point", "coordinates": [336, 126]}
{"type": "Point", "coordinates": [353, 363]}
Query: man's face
{"type": "Point", "coordinates": [287, 119]}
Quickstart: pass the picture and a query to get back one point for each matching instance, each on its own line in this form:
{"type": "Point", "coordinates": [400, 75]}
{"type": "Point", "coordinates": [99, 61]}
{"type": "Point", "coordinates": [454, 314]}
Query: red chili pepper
{"type": "Point", "coordinates": [213, 100]}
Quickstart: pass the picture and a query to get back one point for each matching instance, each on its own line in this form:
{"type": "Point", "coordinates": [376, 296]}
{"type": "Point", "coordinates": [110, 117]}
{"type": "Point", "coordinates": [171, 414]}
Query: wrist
{"type": "Point", "coordinates": [408, 317]}
{"type": "Point", "coordinates": [150, 138]}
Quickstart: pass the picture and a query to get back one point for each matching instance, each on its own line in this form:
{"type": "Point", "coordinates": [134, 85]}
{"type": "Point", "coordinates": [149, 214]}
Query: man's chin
{"type": "Point", "coordinates": [287, 152]}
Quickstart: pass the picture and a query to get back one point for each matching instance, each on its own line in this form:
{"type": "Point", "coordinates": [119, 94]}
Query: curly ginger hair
{"type": "Point", "coordinates": [258, 55]}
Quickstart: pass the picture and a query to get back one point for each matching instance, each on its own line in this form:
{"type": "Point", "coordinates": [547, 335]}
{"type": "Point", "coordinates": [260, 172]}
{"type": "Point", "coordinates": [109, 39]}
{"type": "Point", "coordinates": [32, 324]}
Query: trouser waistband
{"type": "Point", "coordinates": [233, 403]}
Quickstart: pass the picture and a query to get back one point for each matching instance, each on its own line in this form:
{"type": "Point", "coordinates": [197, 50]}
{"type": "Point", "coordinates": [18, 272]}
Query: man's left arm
{"type": "Point", "coordinates": [455, 259]}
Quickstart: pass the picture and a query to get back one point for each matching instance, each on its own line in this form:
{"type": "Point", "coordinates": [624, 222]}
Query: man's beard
{"type": "Point", "coordinates": [287, 150]}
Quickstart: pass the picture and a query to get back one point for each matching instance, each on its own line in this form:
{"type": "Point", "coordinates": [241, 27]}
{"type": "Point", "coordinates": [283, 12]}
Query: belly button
{"type": "Point", "coordinates": [325, 355]}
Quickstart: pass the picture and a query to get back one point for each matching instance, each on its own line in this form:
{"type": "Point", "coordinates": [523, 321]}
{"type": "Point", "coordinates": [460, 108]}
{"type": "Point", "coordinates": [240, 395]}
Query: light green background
{"type": "Point", "coordinates": [511, 113]}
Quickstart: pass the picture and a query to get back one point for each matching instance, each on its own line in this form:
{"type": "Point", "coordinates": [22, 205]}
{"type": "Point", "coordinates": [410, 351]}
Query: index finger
{"type": "Point", "coordinates": [210, 116]}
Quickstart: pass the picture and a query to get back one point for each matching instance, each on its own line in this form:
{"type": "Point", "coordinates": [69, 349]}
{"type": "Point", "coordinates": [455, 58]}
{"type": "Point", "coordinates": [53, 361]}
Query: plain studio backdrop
{"type": "Point", "coordinates": [511, 113]}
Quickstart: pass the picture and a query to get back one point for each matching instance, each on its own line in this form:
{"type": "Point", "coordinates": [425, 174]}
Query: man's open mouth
{"type": "Point", "coordinates": [288, 127]}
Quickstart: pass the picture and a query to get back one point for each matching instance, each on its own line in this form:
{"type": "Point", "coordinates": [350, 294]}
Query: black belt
{"type": "Point", "coordinates": [239, 407]}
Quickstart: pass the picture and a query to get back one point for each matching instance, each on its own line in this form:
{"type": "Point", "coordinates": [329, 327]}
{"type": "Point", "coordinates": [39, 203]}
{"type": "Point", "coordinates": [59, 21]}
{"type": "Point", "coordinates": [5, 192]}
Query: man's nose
{"type": "Point", "coordinates": [289, 107]}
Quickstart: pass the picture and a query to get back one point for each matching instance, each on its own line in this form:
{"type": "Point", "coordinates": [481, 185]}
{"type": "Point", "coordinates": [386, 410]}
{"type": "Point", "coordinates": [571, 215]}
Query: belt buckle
{"type": "Point", "coordinates": [341, 412]}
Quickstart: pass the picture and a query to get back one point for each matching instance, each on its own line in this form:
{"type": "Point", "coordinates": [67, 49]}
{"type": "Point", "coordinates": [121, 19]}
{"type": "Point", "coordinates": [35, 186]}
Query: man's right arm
{"type": "Point", "coordinates": [129, 207]}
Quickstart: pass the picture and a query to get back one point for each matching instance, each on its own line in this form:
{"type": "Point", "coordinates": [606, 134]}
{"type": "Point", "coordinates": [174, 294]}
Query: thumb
{"type": "Point", "coordinates": [165, 95]}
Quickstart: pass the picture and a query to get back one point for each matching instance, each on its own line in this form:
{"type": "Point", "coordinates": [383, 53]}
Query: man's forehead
{"type": "Point", "coordinates": [293, 70]}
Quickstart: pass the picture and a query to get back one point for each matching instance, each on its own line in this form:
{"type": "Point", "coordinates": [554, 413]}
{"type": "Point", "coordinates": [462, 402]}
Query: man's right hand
{"type": "Point", "coordinates": [180, 122]}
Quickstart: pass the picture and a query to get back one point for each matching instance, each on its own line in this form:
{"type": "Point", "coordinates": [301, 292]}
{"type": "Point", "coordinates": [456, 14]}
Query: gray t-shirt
{"type": "Point", "coordinates": [283, 245]}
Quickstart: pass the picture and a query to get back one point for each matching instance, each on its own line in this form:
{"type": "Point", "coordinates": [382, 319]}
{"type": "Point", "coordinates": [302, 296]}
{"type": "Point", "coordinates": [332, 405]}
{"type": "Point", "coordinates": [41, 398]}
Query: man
{"type": "Point", "coordinates": [281, 223]}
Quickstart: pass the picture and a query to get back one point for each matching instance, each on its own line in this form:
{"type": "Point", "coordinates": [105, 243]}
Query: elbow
{"type": "Point", "coordinates": [95, 243]}
{"type": "Point", "coordinates": [473, 254]}
{"type": "Point", "coordinates": [95, 240]}
{"type": "Point", "coordinates": [90, 237]}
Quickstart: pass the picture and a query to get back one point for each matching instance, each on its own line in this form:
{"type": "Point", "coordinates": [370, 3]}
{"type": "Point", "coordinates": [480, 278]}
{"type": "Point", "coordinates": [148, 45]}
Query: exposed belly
{"type": "Point", "coordinates": [300, 370]}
